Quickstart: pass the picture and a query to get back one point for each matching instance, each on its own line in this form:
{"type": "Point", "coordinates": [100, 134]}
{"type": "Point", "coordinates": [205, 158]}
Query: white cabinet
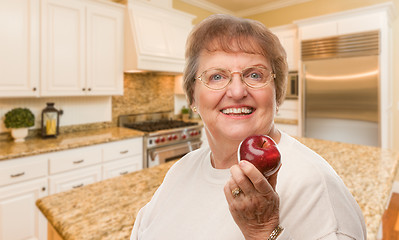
{"type": "Point", "coordinates": [67, 160]}
{"type": "Point", "coordinates": [122, 157]}
{"type": "Point", "coordinates": [122, 166]}
{"type": "Point", "coordinates": [74, 179]}
{"type": "Point", "coordinates": [155, 37]}
{"type": "Point", "coordinates": [289, 110]}
{"type": "Point", "coordinates": [19, 48]}
{"type": "Point", "coordinates": [289, 114]}
{"type": "Point", "coordinates": [82, 48]}
{"type": "Point", "coordinates": [22, 182]}
{"type": "Point", "coordinates": [339, 25]}
{"type": "Point", "coordinates": [289, 39]}
{"type": "Point", "coordinates": [74, 168]}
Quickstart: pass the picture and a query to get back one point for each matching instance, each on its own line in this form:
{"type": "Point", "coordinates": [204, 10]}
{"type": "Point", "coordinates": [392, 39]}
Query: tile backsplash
{"type": "Point", "coordinates": [144, 93]}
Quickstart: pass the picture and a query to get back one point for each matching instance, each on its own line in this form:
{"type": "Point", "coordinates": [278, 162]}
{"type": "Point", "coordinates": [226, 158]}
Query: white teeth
{"type": "Point", "coordinates": [243, 110]}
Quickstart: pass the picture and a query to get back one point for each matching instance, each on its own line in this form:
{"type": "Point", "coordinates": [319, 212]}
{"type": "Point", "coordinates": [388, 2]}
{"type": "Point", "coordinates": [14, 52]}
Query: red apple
{"type": "Point", "coordinates": [262, 152]}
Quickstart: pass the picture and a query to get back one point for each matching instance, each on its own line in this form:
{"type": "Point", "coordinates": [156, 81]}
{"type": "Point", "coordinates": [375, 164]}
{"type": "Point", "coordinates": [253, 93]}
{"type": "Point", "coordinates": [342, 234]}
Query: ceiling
{"type": "Point", "coordinates": [242, 8]}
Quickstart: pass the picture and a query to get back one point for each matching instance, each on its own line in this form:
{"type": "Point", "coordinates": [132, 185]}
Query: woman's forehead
{"type": "Point", "coordinates": [233, 45]}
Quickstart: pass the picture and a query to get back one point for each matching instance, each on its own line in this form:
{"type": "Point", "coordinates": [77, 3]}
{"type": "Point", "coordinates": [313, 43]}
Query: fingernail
{"type": "Point", "coordinates": [243, 163]}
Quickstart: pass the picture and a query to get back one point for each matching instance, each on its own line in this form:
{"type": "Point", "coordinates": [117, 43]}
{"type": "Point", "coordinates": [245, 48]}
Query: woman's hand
{"type": "Point", "coordinates": [256, 208]}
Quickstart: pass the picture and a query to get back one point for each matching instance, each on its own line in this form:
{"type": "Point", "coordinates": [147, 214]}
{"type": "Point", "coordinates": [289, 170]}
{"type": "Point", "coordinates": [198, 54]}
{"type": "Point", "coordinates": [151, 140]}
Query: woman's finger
{"type": "Point", "coordinates": [256, 177]}
{"type": "Point", "coordinates": [241, 180]}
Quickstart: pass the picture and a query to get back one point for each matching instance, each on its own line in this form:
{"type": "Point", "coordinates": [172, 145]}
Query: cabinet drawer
{"type": "Point", "coordinates": [22, 169]}
{"type": "Point", "coordinates": [74, 159]}
{"type": "Point", "coordinates": [74, 179]}
{"type": "Point", "coordinates": [122, 166]}
{"type": "Point", "coordinates": [122, 149]}
{"type": "Point", "coordinates": [290, 104]}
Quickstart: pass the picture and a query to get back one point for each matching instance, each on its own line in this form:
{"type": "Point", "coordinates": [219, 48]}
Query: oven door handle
{"type": "Point", "coordinates": [184, 147]}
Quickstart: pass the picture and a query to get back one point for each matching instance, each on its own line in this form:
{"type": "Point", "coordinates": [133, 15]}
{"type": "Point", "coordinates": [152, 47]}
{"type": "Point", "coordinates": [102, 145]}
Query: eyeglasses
{"type": "Point", "coordinates": [219, 78]}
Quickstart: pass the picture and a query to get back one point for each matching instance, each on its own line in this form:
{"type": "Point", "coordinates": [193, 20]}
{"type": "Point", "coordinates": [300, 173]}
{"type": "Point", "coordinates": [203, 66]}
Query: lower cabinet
{"type": "Point", "coordinates": [74, 179]}
{"type": "Point", "coordinates": [24, 180]}
{"type": "Point", "coordinates": [19, 216]}
{"type": "Point", "coordinates": [122, 166]}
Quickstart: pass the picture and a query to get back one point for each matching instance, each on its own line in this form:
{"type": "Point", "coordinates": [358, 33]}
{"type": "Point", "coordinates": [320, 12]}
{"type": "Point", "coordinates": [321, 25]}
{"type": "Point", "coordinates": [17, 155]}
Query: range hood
{"type": "Point", "coordinates": [155, 37]}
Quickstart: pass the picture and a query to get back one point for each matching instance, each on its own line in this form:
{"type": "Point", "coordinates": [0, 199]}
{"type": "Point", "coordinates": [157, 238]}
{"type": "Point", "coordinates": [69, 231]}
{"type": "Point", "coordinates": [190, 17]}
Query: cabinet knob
{"type": "Point", "coordinates": [83, 89]}
{"type": "Point", "coordinates": [43, 189]}
{"type": "Point", "coordinates": [78, 161]}
{"type": "Point", "coordinates": [89, 89]}
{"type": "Point", "coordinates": [78, 186]}
{"type": "Point", "coordinates": [34, 89]}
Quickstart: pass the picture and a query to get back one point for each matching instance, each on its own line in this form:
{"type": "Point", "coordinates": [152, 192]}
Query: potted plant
{"type": "Point", "coordinates": [185, 113]}
{"type": "Point", "coordinates": [19, 120]}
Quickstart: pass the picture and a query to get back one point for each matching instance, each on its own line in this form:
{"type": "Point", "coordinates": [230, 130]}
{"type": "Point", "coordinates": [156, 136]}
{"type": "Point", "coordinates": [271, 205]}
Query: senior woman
{"type": "Point", "coordinates": [235, 79]}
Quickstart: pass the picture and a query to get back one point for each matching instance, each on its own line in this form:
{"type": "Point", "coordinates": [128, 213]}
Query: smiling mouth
{"type": "Point", "coordinates": [238, 111]}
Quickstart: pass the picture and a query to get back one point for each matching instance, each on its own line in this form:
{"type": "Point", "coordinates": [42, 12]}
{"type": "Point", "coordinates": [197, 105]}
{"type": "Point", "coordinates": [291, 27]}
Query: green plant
{"type": "Point", "coordinates": [185, 110]}
{"type": "Point", "coordinates": [19, 118]}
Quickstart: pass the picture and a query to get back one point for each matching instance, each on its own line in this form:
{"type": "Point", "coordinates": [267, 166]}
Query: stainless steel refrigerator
{"type": "Point", "coordinates": [341, 88]}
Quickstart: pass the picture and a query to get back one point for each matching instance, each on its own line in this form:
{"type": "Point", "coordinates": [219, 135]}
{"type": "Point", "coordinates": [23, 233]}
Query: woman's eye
{"type": "Point", "coordinates": [217, 77]}
{"type": "Point", "coordinates": [254, 75]}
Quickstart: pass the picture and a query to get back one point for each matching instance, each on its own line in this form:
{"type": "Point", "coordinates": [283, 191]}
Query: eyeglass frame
{"type": "Point", "coordinates": [272, 76]}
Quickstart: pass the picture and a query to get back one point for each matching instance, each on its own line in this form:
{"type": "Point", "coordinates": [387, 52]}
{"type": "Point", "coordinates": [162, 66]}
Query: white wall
{"type": "Point", "coordinates": [77, 110]}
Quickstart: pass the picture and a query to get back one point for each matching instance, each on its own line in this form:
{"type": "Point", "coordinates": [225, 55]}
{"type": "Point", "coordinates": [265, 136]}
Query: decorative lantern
{"type": "Point", "coordinates": [50, 121]}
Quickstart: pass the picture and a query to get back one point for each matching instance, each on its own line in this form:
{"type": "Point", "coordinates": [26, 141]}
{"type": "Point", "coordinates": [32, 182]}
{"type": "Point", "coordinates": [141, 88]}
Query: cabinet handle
{"type": "Point", "coordinates": [17, 174]}
{"type": "Point", "coordinates": [123, 173]}
{"type": "Point", "coordinates": [78, 161]}
{"type": "Point", "coordinates": [78, 186]}
{"type": "Point", "coordinates": [124, 152]}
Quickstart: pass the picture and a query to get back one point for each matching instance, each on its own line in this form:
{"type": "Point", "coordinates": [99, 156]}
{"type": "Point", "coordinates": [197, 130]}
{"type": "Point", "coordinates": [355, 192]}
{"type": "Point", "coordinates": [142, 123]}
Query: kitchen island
{"type": "Point", "coordinates": [107, 209]}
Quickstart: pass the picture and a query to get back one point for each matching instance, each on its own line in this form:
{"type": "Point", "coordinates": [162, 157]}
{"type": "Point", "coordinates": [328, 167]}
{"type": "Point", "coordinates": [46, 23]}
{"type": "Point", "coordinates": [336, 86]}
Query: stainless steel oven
{"type": "Point", "coordinates": [165, 139]}
{"type": "Point", "coordinates": [161, 155]}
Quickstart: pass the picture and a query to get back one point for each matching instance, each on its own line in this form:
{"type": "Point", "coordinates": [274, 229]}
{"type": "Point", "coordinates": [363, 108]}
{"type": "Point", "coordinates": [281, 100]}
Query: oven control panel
{"type": "Point", "coordinates": [173, 137]}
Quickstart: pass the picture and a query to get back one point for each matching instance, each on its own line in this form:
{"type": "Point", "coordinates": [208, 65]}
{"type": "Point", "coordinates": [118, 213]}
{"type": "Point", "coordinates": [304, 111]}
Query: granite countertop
{"type": "Point", "coordinates": [37, 145]}
{"type": "Point", "coordinates": [107, 209]}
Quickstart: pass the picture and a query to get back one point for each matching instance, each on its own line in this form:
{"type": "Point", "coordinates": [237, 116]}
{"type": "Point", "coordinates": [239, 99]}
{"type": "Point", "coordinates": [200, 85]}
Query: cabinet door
{"type": "Point", "coordinates": [19, 216]}
{"type": "Point", "coordinates": [63, 48]}
{"type": "Point", "coordinates": [122, 166]}
{"type": "Point", "coordinates": [19, 48]}
{"type": "Point", "coordinates": [74, 179]}
{"type": "Point", "coordinates": [104, 50]}
{"type": "Point", "coordinates": [152, 41]}
{"type": "Point", "coordinates": [289, 40]}
{"type": "Point", "coordinates": [319, 30]}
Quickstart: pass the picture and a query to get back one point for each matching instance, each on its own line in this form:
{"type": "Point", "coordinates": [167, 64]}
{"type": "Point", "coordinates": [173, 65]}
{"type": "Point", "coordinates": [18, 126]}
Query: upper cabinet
{"type": "Point", "coordinates": [61, 48]}
{"type": "Point", "coordinates": [353, 21]}
{"type": "Point", "coordinates": [19, 48]}
{"type": "Point", "coordinates": [288, 36]}
{"type": "Point", "coordinates": [82, 48]}
{"type": "Point", "coordinates": [155, 37]}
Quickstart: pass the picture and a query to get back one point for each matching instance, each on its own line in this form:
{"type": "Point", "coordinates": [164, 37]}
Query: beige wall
{"type": "Point", "coordinates": [317, 8]}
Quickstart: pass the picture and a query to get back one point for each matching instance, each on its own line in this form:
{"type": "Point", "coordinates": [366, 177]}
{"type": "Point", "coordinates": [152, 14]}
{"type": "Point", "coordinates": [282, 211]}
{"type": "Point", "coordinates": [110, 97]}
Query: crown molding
{"type": "Point", "coordinates": [247, 12]}
{"type": "Point", "coordinates": [208, 6]}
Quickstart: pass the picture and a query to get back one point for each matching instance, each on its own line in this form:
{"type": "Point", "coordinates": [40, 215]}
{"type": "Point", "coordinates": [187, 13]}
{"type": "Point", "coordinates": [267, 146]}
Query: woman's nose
{"type": "Point", "coordinates": [237, 88]}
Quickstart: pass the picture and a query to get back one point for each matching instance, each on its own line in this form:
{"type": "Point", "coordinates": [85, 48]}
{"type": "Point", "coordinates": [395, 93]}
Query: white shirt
{"type": "Point", "coordinates": [190, 203]}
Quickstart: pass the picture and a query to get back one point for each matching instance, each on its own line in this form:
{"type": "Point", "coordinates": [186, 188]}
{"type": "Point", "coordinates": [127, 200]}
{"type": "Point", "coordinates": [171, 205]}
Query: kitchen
{"type": "Point", "coordinates": [98, 111]}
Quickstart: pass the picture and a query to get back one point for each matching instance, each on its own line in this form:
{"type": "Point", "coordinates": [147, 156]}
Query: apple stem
{"type": "Point", "coordinates": [263, 143]}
